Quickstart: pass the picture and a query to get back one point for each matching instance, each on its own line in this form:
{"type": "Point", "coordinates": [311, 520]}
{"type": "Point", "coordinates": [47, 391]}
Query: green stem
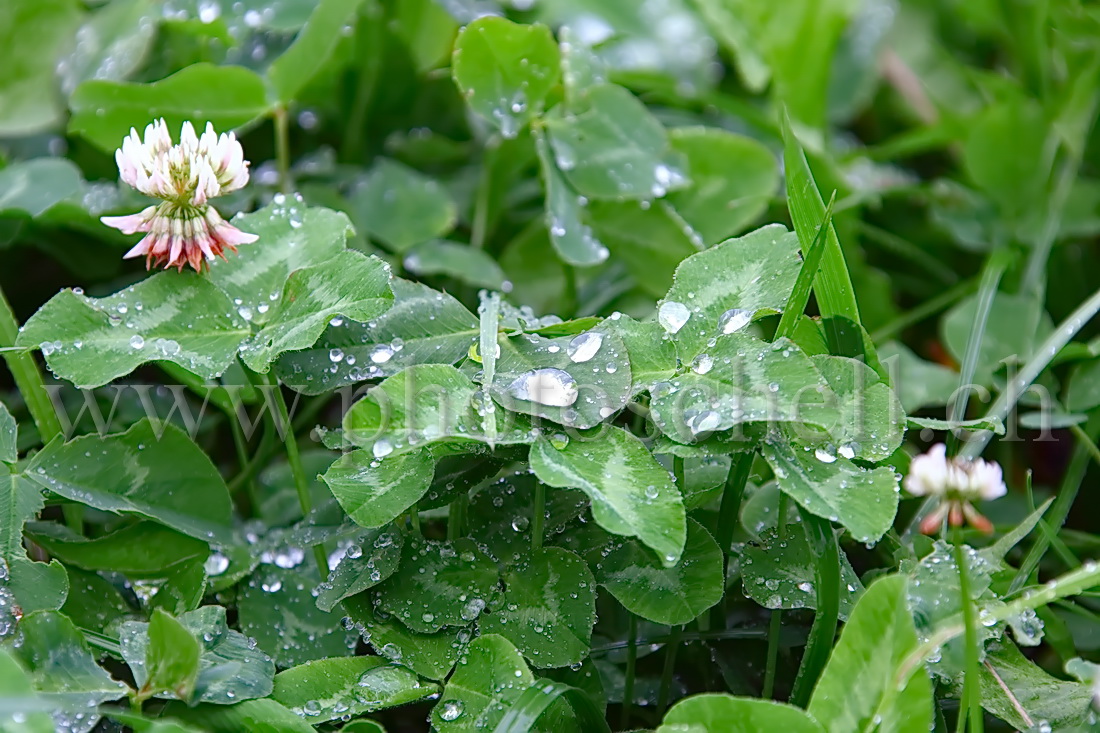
{"type": "Point", "coordinates": [671, 649]}
{"type": "Point", "coordinates": [538, 518]}
{"type": "Point", "coordinates": [479, 227]}
{"type": "Point", "coordinates": [456, 517]}
{"type": "Point", "coordinates": [631, 662]}
{"type": "Point", "coordinates": [282, 148]}
{"type": "Point", "coordinates": [728, 518]}
{"type": "Point", "coordinates": [414, 518]}
{"type": "Point", "coordinates": [28, 378]}
{"type": "Point", "coordinates": [972, 691]}
{"type": "Point", "coordinates": [294, 459]}
{"type": "Point", "coordinates": [368, 36]}
{"type": "Point", "coordinates": [730, 509]}
{"type": "Point", "coordinates": [777, 616]}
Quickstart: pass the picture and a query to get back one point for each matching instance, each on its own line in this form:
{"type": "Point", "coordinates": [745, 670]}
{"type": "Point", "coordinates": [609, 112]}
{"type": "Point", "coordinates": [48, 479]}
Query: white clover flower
{"type": "Point", "coordinates": [183, 229]}
{"type": "Point", "coordinates": [956, 482]}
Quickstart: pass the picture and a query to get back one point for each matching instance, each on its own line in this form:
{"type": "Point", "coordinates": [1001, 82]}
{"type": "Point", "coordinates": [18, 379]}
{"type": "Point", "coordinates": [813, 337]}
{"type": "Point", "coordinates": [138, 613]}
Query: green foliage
{"type": "Point", "coordinates": [742, 262]}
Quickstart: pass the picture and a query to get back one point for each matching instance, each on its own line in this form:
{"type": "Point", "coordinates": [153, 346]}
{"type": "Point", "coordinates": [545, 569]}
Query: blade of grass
{"type": "Point", "coordinates": [1043, 355]}
{"type": "Point", "coordinates": [823, 544]}
{"type": "Point", "coordinates": [803, 284]}
{"type": "Point", "coordinates": [1056, 516]}
{"type": "Point", "coordinates": [928, 308]}
{"type": "Point", "coordinates": [971, 698]}
{"type": "Point", "coordinates": [991, 279]}
{"type": "Point", "coordinates": [835, 295]}
{"type": "Point", "coordinates": [777, 615]}
{"type": "Point", "coordinates": [525, 713]}
{"type": "Point", "coordinates": [28, 378]}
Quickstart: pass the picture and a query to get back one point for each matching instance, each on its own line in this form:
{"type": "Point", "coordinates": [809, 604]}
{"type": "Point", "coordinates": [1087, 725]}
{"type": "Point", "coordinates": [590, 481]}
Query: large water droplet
{"type": "Point", "coordinates": [672, 315]}
{"type": "Point", "coordinates": [381, 354]}
{"type": "Point", "coordinates": [702, 364]}
{"type": "Point", "coordinates": [382, 448]}
{"type": "Point", "coordinates": [702, 422]}
{"type": "Point", "coordinates": [451, 710]}
{"type": "Point", "coordinates": [734, 320]}
{"type": "Point", "coordinates": [552, 387]}
{"type": "Point", "coordinates": [584, 347]}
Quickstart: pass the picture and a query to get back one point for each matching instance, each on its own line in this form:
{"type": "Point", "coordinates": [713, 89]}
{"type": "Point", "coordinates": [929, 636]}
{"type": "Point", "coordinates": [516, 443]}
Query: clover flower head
{"type": "Point", "coordinates": [184, 229]}
{"type": "Point", "coordinates": [956, 482]}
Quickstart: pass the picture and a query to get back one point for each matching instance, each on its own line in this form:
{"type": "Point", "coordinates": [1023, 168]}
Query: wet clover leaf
{"type": "Point", "coordinates": [64, 670]}
{"type": "Point", "coordinates": [863, 500]}
{"type": "Point", "coordinates": [780, 573]}
{"type": "Point", "coordinates": [547, 609]}
{"type": "Point", "coordinates": [375, 490]}
{"type": "Point", "coordinates": [401, 207]}
{"type": "Point", "coordinates": [422, 326]}
{"type": "Point", "coordinates": [443, 584]}
{"type": "Point", "coordinates": [176, 317]}
{"type": "Point", "coordinates": [327, 689]}
{"type": "Point", "coordinates": [615, 148]}
{"type": "Point", "coordinates": [480, 691]}
{"type": "Point", "coordinates": [665, 595]}
{"type": "Point", "coordinates": [578, 381]}
{"type": "Point", "coordinates": [739, 380]}
{"type": "Point", "coordinates": [231, 669]}
{"type": "Point", "coordinates": [350, 285]}
{"type": "Point", "coordinates": [152, 470]}
{"type": "Point", "coordinates": [631, 493]}
{"type": "Point", "coordinates": [291, 236]}
{"type": "Point", "coordinates": [279, 610]}
{"type": "Point", "coordinates": [718, 291]}
{"type": "Point", "coordinates": [429, 655]}
{"type": "Point", "coordinates": [505, 70]}
{"type": "Point", "coordinates": [369, 559]}
{"type": "Point", "coordinates": [429, 404]}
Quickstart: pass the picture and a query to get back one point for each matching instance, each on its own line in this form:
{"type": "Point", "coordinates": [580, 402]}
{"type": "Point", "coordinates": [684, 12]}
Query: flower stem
{"type": "Point", "coordinates": [777, 615]}
{"type": "Point", "coordinates": [538, 518]}
{"type": "Point", "coordinates": [456, 517]}
{"type": "Point", "coordinates": [282, 148]}
{"type": "Point", "coordinates": [281, 422]}
{"type": "Point", "coordinates": [631, 661]}
{"type": "Point", "coordinates": [728, 517]}
{"type": "Point", "coordinates": [671, 649]}
{"type": "Point", "coordinates": [972, 692]}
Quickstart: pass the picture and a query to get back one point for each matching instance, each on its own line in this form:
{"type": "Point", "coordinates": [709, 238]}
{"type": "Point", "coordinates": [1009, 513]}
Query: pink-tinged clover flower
{"type": "Point", "coordinates": [184, 229]}
{"type": "Point", "coordinates": [956, 482]}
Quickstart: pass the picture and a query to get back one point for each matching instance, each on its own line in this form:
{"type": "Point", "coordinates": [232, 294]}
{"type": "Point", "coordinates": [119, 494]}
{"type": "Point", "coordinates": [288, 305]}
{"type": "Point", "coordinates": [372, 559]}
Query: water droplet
{"type": "Point", "coordinates": [849, 450]}
{"type": "Point", "coordinates": [137, 341]}
{"type": "Point", "coordinates": [825, 454]}
{"type": "Point", "coordinates": [335, 355]}
{"type": "Point", "coordinates": [702, 364]}
{"type": "Point", "coordinates": [672, 315]}
{"type": "Point", "coordinates": [551, 387]}
{"type": "Point", "coordinates": [216, 564]}
{"type": "Point", "coordinates": [520, 523]}
{"type": "Point", "coordinates": [381, 354]}
{"type": "Point", "coordinates": [702, 422]}
{"type": "Point", "coordinates": [734, 320]}
{"type": "Point", "coordinates": [451, 710]}
{"type": "Point", "coordinates": [382, 448]}
{"type": "Point", "coordinates": [584, 346]}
